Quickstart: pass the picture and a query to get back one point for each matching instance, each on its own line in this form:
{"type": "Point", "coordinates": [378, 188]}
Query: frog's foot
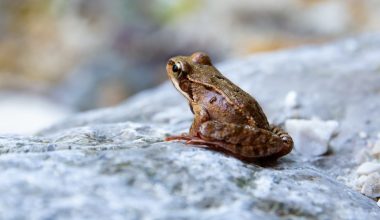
{"type": "Point", "coordinates": [189, 140]}
{"type": "Point", "coordinates": [199, 141]}
{"type": "Point", "coordinates": [183, 136]}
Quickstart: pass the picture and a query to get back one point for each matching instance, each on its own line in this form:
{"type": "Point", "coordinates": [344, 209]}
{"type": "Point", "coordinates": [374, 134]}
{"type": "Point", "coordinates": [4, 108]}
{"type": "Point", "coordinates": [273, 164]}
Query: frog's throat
{"type": "Point", "coordinates": [176, 85]}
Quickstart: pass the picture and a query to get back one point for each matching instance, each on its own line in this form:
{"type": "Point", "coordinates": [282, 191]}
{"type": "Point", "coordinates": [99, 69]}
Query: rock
{"type": "Point", "coordinates": [376, 149]}
{"type": "Point", "coordinates": [291, 101]}
{"type": "Point", "coordinates": [41, 113]}
{"type": "Point", "coordinates": [363, 135]}
{"type": "Point", "coordinates": [368, 167]}
{"type": "Point", "coordinates": [362, 156]}
{"type": "Point", "coordinates": [113, 164]}
{"type": "Point", "coordinates": [311, 137]}
{"type": "Point", "coordinates": [371, 186]}
{"type": "Point", "coordinates": [360, 181]}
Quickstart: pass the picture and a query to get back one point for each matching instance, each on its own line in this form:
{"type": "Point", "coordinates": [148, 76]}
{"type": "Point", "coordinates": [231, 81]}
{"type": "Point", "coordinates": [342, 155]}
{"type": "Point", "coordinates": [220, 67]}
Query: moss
{"type": "Point", "coordinates": [242, 182]}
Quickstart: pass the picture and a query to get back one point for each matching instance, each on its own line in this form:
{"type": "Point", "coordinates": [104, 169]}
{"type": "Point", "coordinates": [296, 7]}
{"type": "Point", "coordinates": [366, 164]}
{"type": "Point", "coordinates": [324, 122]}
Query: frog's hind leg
{"type": "Point", "coordinates": [287, 145]}
{"type": "Point", "coordinates": [246, 141]}
{"type": "Point", "coordinates": [219, 147]}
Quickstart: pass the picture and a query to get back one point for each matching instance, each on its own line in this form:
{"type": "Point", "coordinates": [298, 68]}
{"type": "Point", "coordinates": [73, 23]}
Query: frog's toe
{"type": "Point", "coordinates": [178, 137]}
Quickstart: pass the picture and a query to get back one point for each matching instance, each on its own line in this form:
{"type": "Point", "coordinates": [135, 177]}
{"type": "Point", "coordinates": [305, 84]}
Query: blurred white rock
{"type": "Point", "coordinates": [311, 137]}
{"type": "Point", "coordinates": [376, 149]}
{"type": "Point", "coordinates": [291, 100]}
{"type": "Point", "coordinates": [362, 156]}
{"type": "Point", "coordinates": [371, 186]}
{"type": "Point", "coordinates": [359, 181]}
{"type": "Point", "coordinates": [27, 114]}
{"type": "Point", "coordinates": [368, 167]}
{"type": "Point", "coordinates": [363, 135]}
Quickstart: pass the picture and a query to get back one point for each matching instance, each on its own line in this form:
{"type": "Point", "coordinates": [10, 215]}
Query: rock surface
{"type": "Point", "coordinates": [113, 164]}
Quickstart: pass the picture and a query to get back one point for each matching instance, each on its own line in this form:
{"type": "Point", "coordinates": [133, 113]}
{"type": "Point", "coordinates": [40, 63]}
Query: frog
{"type": "Point", "coordinates": [226, 118]}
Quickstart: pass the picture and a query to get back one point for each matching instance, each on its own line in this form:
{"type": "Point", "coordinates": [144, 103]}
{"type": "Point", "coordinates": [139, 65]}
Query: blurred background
{"type": "Point", "coordinates": [59, 57]}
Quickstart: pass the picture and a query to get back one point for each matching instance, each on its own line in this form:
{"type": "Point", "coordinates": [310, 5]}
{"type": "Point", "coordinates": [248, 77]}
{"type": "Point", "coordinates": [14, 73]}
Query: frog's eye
{"type": "Point", "coordinates": [176, 68]}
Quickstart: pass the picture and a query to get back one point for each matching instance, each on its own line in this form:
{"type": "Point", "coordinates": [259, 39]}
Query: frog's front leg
{"type": "Point", "coordinates": [201, 116]}
{"type": "Point", "coordinates": [245, 141]}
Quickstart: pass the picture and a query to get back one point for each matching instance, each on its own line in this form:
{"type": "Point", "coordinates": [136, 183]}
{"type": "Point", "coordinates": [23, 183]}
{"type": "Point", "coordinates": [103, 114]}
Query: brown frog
{"type": "Point", "coordinates": [226, 118]}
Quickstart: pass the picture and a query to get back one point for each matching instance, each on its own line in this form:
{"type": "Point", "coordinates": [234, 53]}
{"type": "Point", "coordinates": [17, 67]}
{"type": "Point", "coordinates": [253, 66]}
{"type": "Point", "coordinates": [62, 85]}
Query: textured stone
{"type": "Point", "coordinates": [371, 186]}
{"type": "Point", "coordinates": [113, 164]}
{"type": "Point", "coordinates": [376, 149]}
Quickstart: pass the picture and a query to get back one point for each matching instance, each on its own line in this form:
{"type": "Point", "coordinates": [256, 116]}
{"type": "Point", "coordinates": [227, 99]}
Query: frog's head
{"type": "Point", "coordinates": [182, 69]}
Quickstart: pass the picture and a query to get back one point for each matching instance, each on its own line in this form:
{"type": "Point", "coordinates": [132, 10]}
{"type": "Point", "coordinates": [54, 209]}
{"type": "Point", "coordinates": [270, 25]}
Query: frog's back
{"type": "Point", "coordinates": [244, 101]}
{"type": "Point", "coordinates": [235, 95]}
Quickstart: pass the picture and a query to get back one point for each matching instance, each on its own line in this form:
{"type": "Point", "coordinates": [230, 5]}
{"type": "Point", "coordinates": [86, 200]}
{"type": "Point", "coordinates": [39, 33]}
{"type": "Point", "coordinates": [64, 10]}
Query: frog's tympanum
{"type": "Point", "coordinates": [226, 118]}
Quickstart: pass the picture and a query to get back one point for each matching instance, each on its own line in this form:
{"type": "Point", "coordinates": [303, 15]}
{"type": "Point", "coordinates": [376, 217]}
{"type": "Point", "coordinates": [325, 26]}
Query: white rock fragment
{"type": "Point", "coordinates": [359, 182]}
{"type": "Point", "coordinates": [291, 100]}
{"type": "Point", "coordinates": [371, 187]}
{"type": "Point", "coordinates": [376, 149]}
{"type": "Point", "coordinates": [362, 156]}
{"type": "Point", "coordinates": [368, 167]}
{"type": "Point", "coordinates": [129, 133]}
{"type": "Point", "coordinates": [311, 137]}
{"type": "Point", "coordinates": [28, 114]}
{"type": "Point", "coordinates": [363, 135]}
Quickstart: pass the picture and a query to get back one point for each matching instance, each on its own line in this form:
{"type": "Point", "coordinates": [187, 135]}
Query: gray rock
{"type": "Point", "coordinates": [113, 164]}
